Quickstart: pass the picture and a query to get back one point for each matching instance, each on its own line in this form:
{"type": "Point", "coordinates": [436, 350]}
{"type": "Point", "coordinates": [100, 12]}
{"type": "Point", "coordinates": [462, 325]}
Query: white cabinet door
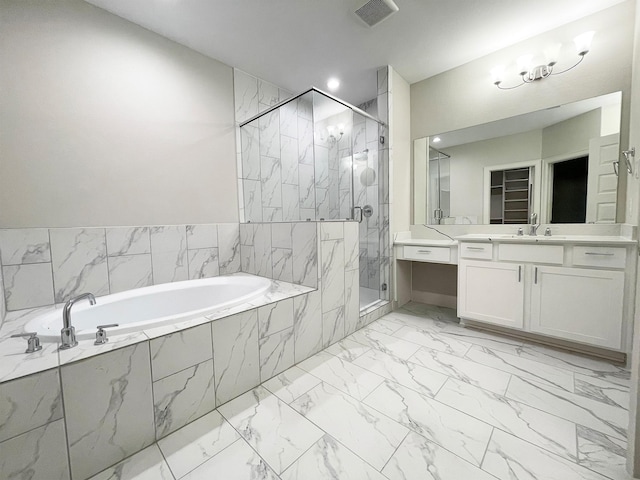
{"type": "Point", "coordinates": [577, 304]}
{"type": "Point", "coordinates": [491, 292]}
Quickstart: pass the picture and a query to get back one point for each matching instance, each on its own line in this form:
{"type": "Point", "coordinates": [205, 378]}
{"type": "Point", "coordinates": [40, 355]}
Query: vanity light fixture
{"type": "Point", "coordinates": [530, 72]}
{"type": "Point", "coordinates": [335, 133]}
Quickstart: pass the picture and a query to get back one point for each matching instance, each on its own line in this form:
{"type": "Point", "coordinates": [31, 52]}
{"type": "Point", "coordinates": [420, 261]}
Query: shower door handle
{"type": "Point", "coordinates": [357, 214]}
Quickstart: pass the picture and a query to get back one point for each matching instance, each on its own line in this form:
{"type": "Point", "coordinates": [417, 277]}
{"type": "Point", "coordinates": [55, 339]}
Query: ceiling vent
{"type": "Point", "coordinates": [375, 11]}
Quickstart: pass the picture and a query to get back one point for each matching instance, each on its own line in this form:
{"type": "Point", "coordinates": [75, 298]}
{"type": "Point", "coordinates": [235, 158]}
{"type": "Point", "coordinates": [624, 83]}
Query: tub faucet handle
{"type": "Point", "coordinates": [101, 334]}
{"type": "Point", "coordinates": [33, 342]}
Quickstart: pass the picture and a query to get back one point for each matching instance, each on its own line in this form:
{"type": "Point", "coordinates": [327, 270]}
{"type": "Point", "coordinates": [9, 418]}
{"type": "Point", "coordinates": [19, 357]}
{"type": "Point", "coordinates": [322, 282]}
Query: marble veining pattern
{"type": "Point", "coordinates": [377, 406]}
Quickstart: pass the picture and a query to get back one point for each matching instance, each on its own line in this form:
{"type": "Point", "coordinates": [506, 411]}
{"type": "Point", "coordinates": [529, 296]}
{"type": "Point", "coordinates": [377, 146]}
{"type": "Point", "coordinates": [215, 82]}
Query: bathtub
{"type": "Point", "coordinates": [149, 307]}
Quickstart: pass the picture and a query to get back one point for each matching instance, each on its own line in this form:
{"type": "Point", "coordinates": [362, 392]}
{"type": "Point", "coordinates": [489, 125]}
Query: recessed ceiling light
{"type": "Point", "coordinates": [436, 139]}
{"type": "Point", "coordinates": [333, 84]}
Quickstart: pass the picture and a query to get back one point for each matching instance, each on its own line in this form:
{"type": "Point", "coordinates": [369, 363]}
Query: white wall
{"type": "Point", "coordinates": [571, 136]}
{"type": "Point", "coordinates": [105, 123]}
{"type": "Point", "coordinates": [401, 154]}
{"type": "Point", "coordinates": [465, 96]}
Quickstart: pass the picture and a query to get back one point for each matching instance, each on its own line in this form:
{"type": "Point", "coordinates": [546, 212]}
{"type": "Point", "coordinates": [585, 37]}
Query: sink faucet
{"type": "Point", "coordinates": [533, 226]}
{"type": "Point", "coordinates": [68, 332]}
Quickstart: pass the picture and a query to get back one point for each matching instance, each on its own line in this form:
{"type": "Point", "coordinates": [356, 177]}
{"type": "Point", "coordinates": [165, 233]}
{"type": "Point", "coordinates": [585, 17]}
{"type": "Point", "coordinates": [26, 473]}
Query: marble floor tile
{"type": "Point", "coordinates": [602, 454]}
{"type": "Point", "coordinates": [277, 432]}
{"type": "Point", "coordinates": [347, 349]}
{"type": "Point", "coordinates": [510, 458]}
{"type": "Point", "coordinates": [147, 464]}
{"type": "Point", "coordinates": [291, 383]}
{"type": "Point", "coordinates": [584, 411]}
{"type": "Point", "coordinates": [236, 462]}
{"type": "Point", "coordinates": [366, 432]}
{"type": "Point", "coordinates": [385, 343]}
{"type": "Point", "coordinates": [523, 368]}
{"type": "Point", "coordinates": [385, 326]}
{"type": "Point", "coordinates": [408, 374]}
{"type": "Point", "coordinates": [602, 390]}
{"type": "Point", "coordinates": [433, 340]}
{"type": "Point", "coordinates": [328, 459]}
{"type": "Point", "coordinates": [459, 433]}
{"type": "Point", "coordinates": [463, 369]}
{"type": "Point", "coordinates": [420, 459]}
{"type": "Point", "coordinates": [501, 343]}
{"type": "Point", "coordinates": [406, 318]}
{"type": "Point", "coordinates": [341, 374]}
{"type": "Point", "coordinates": [540, 428]}
{"type": "Point", "coordinates": [577, 363]}
{"type": "Point", "coordinates": [195, 443]}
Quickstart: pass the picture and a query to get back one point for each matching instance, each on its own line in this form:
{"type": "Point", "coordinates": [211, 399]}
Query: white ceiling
{"type": "Point", "coordinates": [297, 44]}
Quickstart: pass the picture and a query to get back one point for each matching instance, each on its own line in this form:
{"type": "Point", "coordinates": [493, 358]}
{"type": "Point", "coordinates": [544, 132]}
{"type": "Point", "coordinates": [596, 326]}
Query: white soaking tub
{"type": "Point", "coordinates": [149, 307]}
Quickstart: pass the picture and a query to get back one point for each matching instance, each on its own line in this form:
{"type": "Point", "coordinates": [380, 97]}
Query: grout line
{"type": "Point", "coordinates": [486, 449]}
{"type": "Point", "coordinates": [396, 449]}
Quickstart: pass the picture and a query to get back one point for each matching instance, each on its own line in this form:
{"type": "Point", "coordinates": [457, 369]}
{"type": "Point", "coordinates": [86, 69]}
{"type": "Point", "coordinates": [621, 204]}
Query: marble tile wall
{"type": "Point", "coordinates": [3, 306]}
{"type": "Point", "coordinates": [48, 266]}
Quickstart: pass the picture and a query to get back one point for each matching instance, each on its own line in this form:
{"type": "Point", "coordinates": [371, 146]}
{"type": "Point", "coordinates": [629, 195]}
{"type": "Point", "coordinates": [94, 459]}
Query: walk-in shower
{"type": "Point", "coordinates": [314, 157]}
{"type": "Point", "coordinates": [439, 196]}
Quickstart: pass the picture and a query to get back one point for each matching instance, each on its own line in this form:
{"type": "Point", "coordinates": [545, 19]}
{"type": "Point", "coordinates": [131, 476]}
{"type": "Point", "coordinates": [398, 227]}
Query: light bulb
{"type": "Point", "coordinates": [583, 42]}
{"type": "Point", "coordinates": [333, 84]}
{"type": "Point", "coordinates": [524, 64]}
{"type": "Point", "coordinates": [436, 139]}
{"type": "Point", "coordinates": [551, 54]}
{"type": "Point", "coordinates": [497, 74]}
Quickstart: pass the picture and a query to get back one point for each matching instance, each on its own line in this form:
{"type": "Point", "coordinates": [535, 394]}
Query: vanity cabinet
{"type": "Point", "coordinates": [580, 304]}
{"type": "Point", "coordinates": [491, 292]}
{"type": "Point", "coordinates": [570, 292]}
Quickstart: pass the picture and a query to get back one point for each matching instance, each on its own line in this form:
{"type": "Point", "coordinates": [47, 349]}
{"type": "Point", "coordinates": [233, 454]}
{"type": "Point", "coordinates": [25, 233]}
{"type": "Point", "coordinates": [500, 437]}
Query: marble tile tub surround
{"type": "Point", "coordinates": [381, 405]}
{"type": "Point", "coordinates": [48, 266]}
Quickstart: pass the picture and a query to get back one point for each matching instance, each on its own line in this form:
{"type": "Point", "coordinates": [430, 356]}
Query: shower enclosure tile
{"type": "Point", "coordinates": [250, 138]}
{"type": "Point", "coordinates": [203, 263]}
{"type": "Point", "coordinates": [27, 286]}
{"type": "Point", "coordinates": [108, 408]}
{"type": "Point", "coordinates": [307, 317]}
{"type": "Point", "coordinates": [291, 203]}
{"type": "Point", "coordinates": [269, 125]}
{"type": "Point", "coordinates": [29, 402]}
{"type": "Point", "coordinates": [252, 200]}
{"type": "Point", "coordinates": [202, 236]}
{"type": "Point", "coordinates": [322, 204]}
{"type": "Point", "coordinates": [127, 241]}
{"type": "Point", "coordinates": [182, 397]}
{"type": "Point", "coordinates": [39, 453]}
{"type": "Point", "coordinates": [307, 189]}
{"type": "Point", "coordinates": [289, 121]}
{"type": "Point", "coordinates": [281, 235]}
{"type": "Point", "coordinates": [332, 326]}
{"type": "Point", "coordinates": [276, 353]}
{"type": "Point", "coordinates": [268, 94]}
{"type": "Point", "coordinates": [169, 254]}
{"type": "Point", "coordinates": [178, 351]}
{"type": "Point", "coordinates": [79, 260]}
{"type": "Point", "coordinates": [321, 165]}
{"type": "Point", "coordinates": [351, 301]}
{"type": "Point", "coordinates": [228, 248]}
{"type": "Point", "coordinates": [282, 262]}
{"type": "Point", "coordinates": [305, 258]}
{"type": "Point", "coordinates": [24, 245]}
{"type": "Point", "coordinates": [289, 159]}
{"type": "Point", "coordinates": [305, 106]}
{"type": "Point", "coordinates": [271, 181]}
{"type": "Point", "coordinates": [245, 94]}
{"type": "Point", "coordinates": [305, 140]}
{"type": "Point", "coordinates": [127, 272]}
{"type": "Point", "coordinates": [332, 254]}
{"type": "Point", "coordinates": [331, 230]}
{"type": "Point", "coordinates": [197, 442]}
{"type": "Point", "coordinates": [351, 254]}
{"type": "Point", "coordinates": [236, 355]}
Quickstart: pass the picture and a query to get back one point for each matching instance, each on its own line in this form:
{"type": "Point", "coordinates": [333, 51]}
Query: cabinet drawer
{"type": "Point", "coordinates": [427, 254]}
{"type": "Point", "coordinates": [512, 252]}
{"type": "Point", "coordinates": [612, 257]}
{"type": "Point", "coordinates": [483, 251]}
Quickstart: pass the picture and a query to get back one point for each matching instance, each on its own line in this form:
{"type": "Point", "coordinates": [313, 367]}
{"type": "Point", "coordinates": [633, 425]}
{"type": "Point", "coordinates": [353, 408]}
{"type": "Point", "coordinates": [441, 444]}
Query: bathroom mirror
{"type": "Point", "coordinates": [560, 163]}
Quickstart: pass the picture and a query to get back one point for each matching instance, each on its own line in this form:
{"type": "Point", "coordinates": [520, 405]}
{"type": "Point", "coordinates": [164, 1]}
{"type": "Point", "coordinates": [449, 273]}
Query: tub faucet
{"type": "Point", "coordinates": [68, 332]}
{"type": "Point", "coordinates": [533, 226]}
